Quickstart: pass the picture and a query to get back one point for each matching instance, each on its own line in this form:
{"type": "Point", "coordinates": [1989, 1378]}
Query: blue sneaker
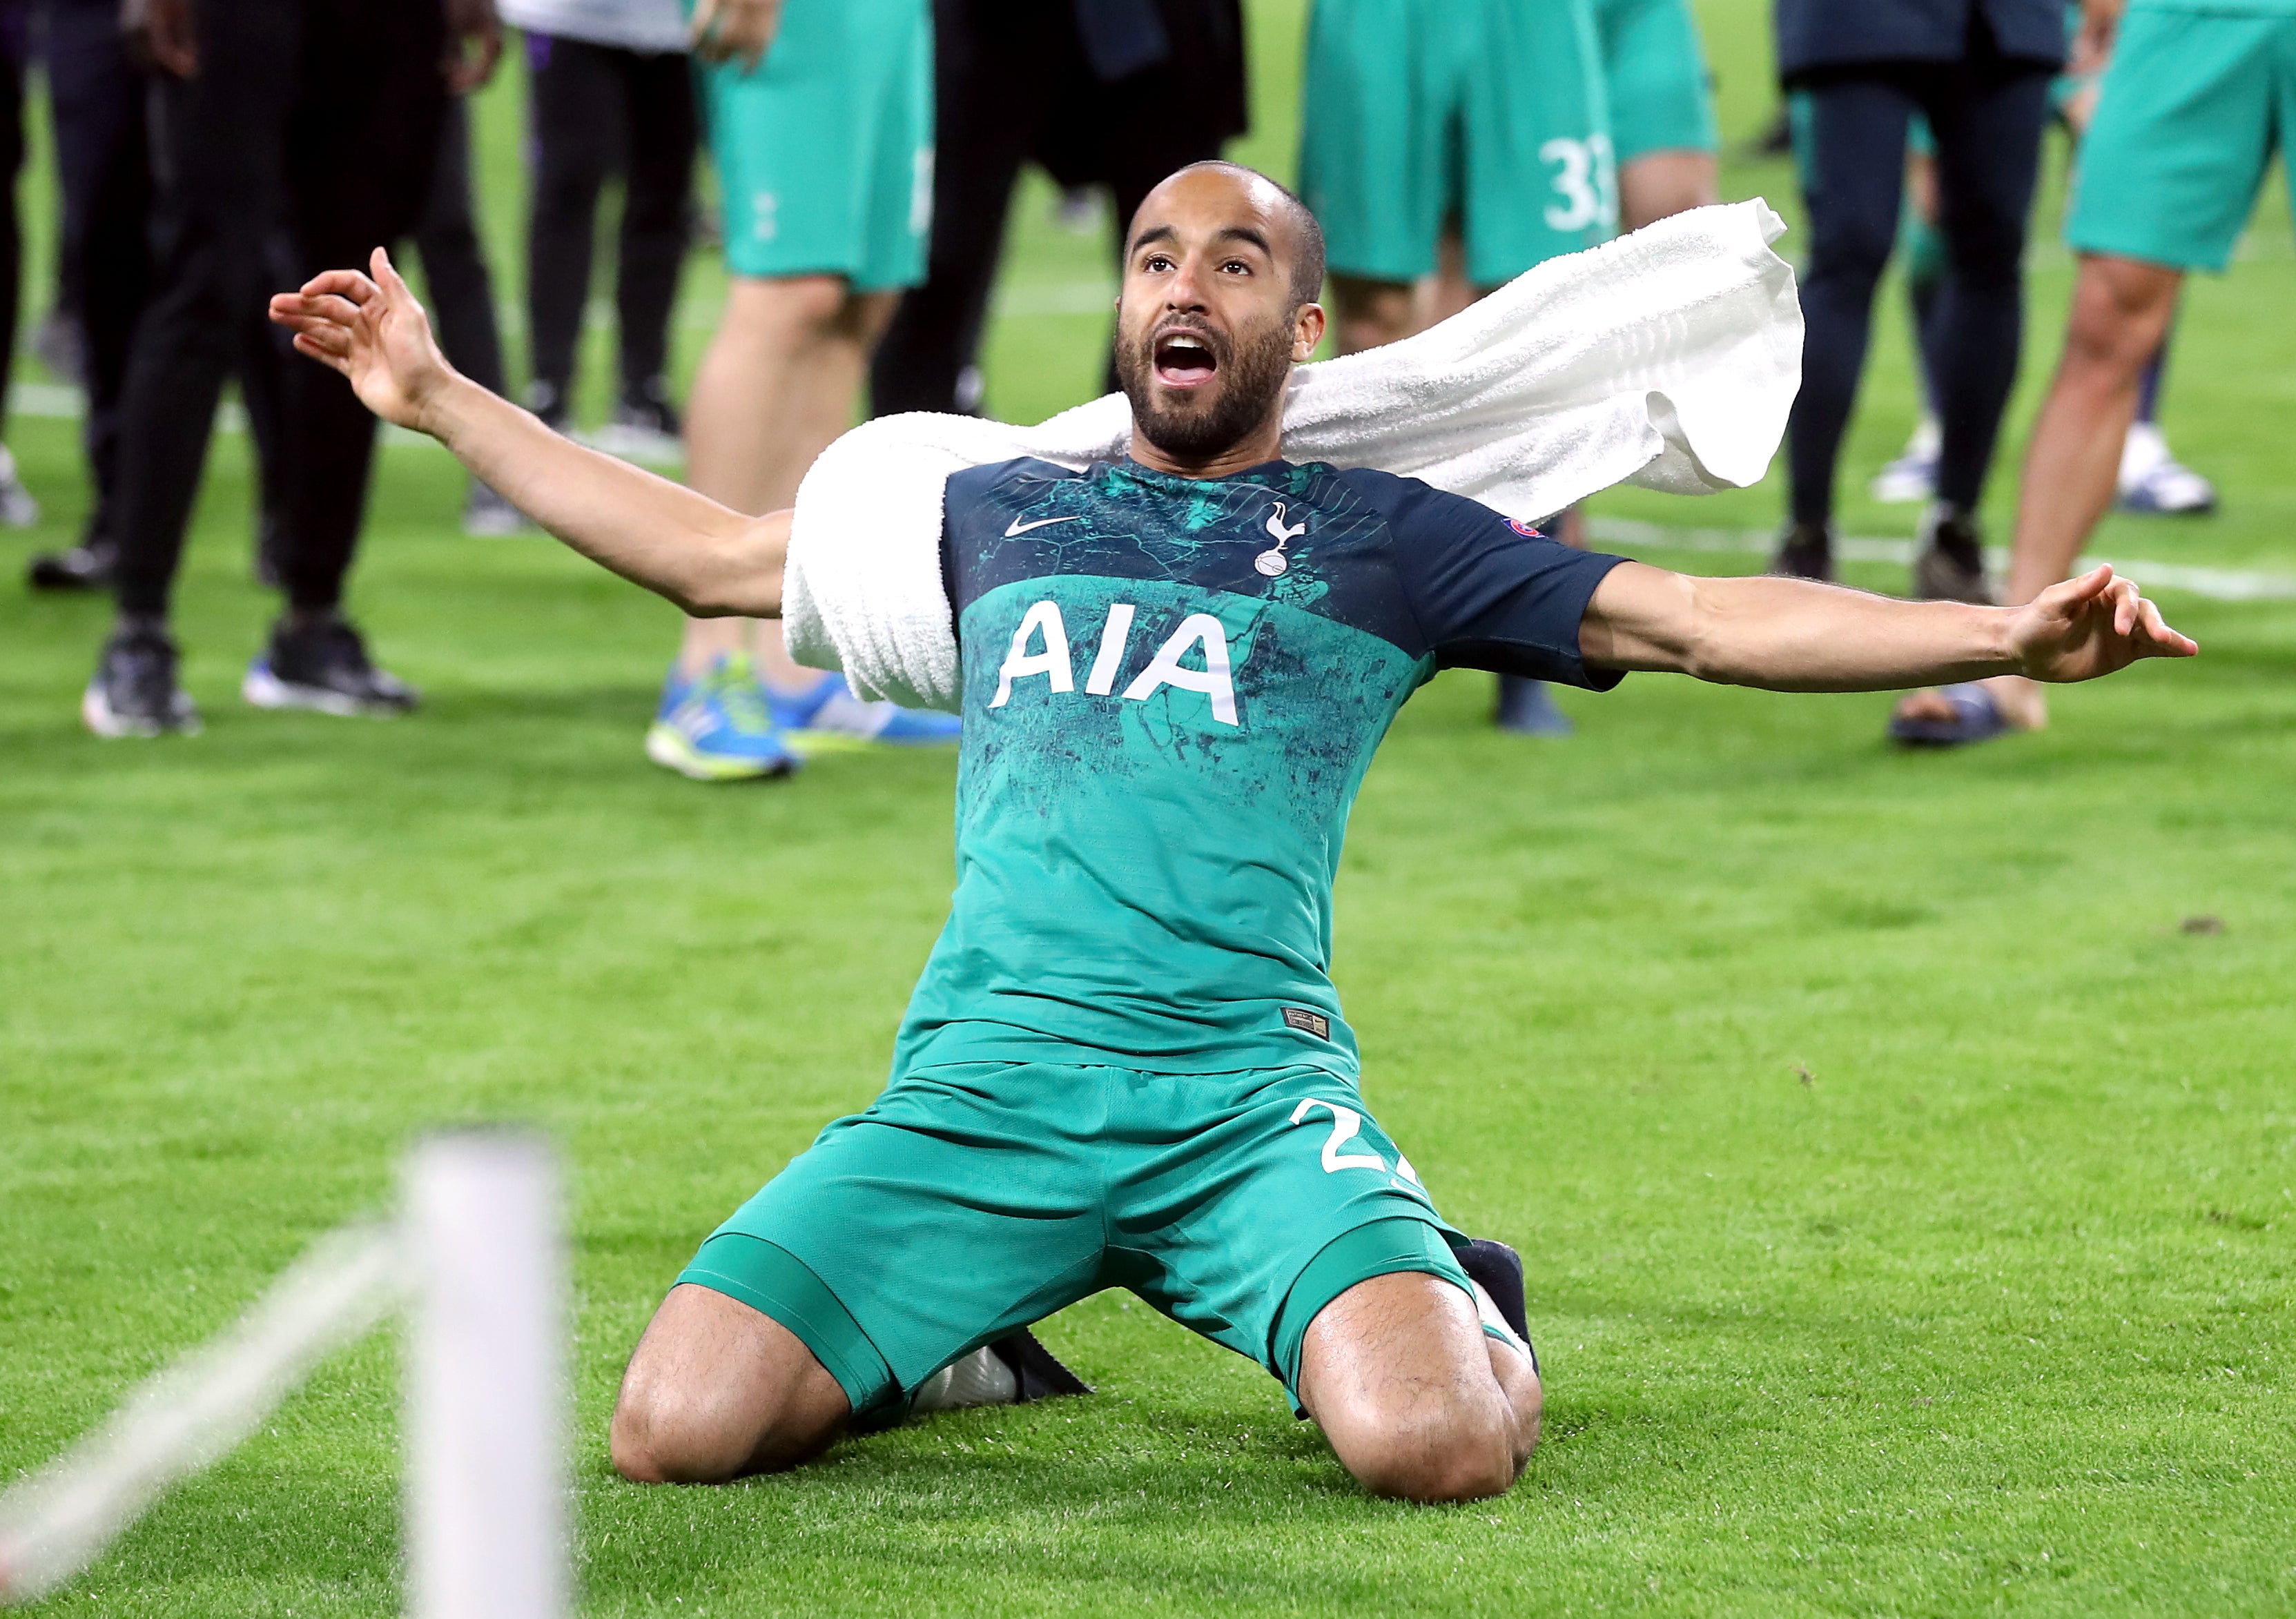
{"type": "Point", "coordinates": [831, 716]}
{"type": "Point", "coordinates": [1527, 708]}
{"type": "Point", "coordinates": [719, 728]}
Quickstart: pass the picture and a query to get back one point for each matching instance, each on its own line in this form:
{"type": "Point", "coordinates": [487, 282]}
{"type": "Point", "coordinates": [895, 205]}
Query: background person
{"type": "Point", "coordinates": [609, 90]}
{"type": "Point", "coordinates": [1116, 93]}
{"type": "Point", "coordinates": [104, 252]}
{"type": "Point", "coordinates": [2151, 480]}
{"type": "Point", "coordinates": [1661, 97]}
{"type": "Point", "coordinates": [820, 123]}
{"type": "Point", "coordinates": [2189, 115]}
{"type": "Point", "coordinates": [1437, 177]}
{"type": "Point", "coordinates": [312, 124]}
{"type": "Point", "coordinates": [1978, 72]}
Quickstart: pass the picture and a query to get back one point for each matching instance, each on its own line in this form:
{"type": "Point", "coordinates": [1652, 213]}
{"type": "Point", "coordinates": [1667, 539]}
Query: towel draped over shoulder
{"type": "Point", "coordinates": [1667, 358]}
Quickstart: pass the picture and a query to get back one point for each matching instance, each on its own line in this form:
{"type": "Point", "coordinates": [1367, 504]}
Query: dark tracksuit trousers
{"type": "Point", "coordinates": [597, 108]}
{"type": "Point", "coordinates": [309, 137]}
{"type": "Point", "coordinates": [461, 288]}
{"type": "Point", "coordinates": [1987, 113]}
{"type": "Point", "coordinates": [1013, 80]}
{"type": "Point", "coordinates": [15, 46]}
{"type": "Point", "coordinates": [103, 171]}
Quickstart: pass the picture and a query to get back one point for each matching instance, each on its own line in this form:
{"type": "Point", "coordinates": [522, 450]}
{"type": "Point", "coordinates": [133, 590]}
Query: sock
{"type": "Point", "coordinates": [979, 1378]}
{"type": "Point", "coordinates": [1495, 1325]}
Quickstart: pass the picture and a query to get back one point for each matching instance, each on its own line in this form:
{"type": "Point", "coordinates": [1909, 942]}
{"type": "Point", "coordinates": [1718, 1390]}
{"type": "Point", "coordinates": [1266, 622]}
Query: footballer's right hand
{"type": "Point", "coordinates": [372, 331]}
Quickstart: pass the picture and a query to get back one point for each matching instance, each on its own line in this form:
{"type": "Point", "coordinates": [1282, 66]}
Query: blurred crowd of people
{"type": "Point", "coordinates": [866, 153]}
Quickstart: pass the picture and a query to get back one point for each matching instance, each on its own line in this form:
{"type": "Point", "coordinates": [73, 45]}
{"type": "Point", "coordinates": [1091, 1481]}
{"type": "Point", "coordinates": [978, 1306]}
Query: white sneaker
{"type": "Point", "coordinates": [486, 515]}
{"type": "Point", "coordinates": [1912, 477]}
{"type": "Point", "coordinates": [2155, 483]}
{"type": "Point", "coordinates": [18, 509]}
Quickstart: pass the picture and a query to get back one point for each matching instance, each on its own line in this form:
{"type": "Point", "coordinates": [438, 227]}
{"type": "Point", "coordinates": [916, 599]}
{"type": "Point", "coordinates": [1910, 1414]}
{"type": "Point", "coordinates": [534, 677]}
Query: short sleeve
{"type": "Point", "coordinates": [1490, 592]}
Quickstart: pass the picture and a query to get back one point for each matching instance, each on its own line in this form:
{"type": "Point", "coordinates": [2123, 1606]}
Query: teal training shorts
{"type": "Point", "coordinates": [974, 1199]}
{"type": "Point", "coordinates": [824, 153]}
{"type": "Point", "coordinates": [1654, 76]}
{"type": "Point", "coordinates": [2192, 105]}
{"type": "Point", "coordinates": [1491, 112]}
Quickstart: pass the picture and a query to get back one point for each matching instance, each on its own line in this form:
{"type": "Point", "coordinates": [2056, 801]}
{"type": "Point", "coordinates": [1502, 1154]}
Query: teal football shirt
{"type": "Point", "coordinates": [1172, 688]}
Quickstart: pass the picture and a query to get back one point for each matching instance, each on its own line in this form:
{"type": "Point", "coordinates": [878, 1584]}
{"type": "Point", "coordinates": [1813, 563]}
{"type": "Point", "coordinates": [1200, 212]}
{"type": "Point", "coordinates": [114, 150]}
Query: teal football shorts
{"type": "Point", "coordinates": [2192, 105]}
{"type": "Point", "coordinates": [825, 153]}
{"type": "Point", "coordinates": [1655, 78]}
{"type": "Point", "coordinates": [1491, 112]}
{"type": "Point", "coordinates": [973, 1198]}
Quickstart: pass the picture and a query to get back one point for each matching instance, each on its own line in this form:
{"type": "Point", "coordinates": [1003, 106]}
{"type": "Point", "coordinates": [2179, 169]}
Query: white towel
{"type": "Point", "coordinates": [1667, 358]}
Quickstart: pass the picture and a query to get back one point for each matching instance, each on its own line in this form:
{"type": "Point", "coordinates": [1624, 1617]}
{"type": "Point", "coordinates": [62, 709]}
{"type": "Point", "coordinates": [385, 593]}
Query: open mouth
{"type": "Point", "coordinates": [1185, 360]}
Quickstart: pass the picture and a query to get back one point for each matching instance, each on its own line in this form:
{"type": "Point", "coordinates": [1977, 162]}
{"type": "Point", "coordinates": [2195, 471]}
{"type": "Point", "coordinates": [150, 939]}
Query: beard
{"type": "Point", "coordinates": [1252, 375]}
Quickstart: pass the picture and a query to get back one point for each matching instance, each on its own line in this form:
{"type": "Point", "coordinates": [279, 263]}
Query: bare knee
{"type": "Point", "coordinates": [1371, 312]}
{"type": "Point", "coordinates": [2120, 313]}
{"type": "Point", "coordinates": [1417, 1402]}
{"type": "Point", "coordinates": [1456, 1451]}
{"type": "Point", "coordinates": [657, 1437]}
{"type": "Point", "coordinates": [796, 309]}
{"type": "Point", "coordinates": [718, 1390]}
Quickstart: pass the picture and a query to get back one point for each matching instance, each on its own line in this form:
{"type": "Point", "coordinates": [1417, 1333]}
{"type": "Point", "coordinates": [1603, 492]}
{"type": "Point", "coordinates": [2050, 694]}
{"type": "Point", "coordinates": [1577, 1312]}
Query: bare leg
{"type": "Point", "coordinates": [778, 383]}
{"type": "Point", "coordinates": [1657, 184]}
{"type": "Point", "coordinates": [717, 1390]}
{"type": "Point", "coordinates": [1416, 1399]}
{"type": "Point", "coordinates": [1447, 291]}
{"type": "Point", "coordinates": [2121, 311]}
{"type": "Point", "coordinates": [1371, 312]}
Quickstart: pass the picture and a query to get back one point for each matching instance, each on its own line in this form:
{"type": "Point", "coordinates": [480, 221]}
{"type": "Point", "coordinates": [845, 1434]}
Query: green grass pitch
{"type": "Point", "coordinates": [1907, 1195]}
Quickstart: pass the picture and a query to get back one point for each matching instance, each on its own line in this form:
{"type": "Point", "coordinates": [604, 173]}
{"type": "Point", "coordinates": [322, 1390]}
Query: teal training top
{"type": "Point", "coordinates": [1171, 690]}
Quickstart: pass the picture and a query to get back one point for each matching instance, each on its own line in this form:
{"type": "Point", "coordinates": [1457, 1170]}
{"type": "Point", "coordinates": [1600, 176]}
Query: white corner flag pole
{"type": "Point", "coordinates": [486, 1491]}
{"type": "Point", "coordinates": [54, 1524]}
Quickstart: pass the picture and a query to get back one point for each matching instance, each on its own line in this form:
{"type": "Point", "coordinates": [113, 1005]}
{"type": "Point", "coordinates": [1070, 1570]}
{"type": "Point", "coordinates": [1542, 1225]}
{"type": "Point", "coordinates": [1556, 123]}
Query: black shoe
{"type": "Point", "coordinates": [1038, 1375]}
{"type": "Point", "coordinates": [324, 665]}
{"type": "Point", "coordinates": [1951, 565]}
{"type": "Point", "coordinates": [134, 692]}
{"type": "Point", "coordinates": [1805, 552]}
{"type": "Point", "coordinates": [1527, 708]}
{"type": "Point", "coordinates": [87, 566]}
{"type": "Point", "coordinates": [1498, 1270]}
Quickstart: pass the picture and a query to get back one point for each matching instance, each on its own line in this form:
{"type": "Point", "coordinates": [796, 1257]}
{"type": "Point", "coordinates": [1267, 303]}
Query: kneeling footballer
{"type": "Point", "coordinates": [1125, 1064]}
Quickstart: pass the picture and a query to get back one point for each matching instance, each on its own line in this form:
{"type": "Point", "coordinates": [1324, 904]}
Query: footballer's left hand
{"type": "Point", "coordinates": [2089, 626]}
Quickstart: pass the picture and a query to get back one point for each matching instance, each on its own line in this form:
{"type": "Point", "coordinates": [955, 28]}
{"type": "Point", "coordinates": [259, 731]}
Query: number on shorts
{"type": "Point", "coordinates": [1583, 180]}
{"type": "Point", "coordinates": [1344, 1121]}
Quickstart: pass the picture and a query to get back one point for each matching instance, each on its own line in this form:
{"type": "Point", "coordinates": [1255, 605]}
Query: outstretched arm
{"type": "Point", "coordinates": [1793, 636]}
{"type": "Point", "coordinates": [710, 560]}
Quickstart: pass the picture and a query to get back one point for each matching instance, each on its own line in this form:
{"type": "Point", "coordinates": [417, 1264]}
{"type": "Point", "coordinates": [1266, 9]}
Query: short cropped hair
{"type": "Point", "coordinates": [1307, 267]}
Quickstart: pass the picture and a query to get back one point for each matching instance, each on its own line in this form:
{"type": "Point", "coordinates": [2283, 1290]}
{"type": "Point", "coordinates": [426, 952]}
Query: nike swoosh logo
{"type": "Point", "coordinates": [1021, 527]}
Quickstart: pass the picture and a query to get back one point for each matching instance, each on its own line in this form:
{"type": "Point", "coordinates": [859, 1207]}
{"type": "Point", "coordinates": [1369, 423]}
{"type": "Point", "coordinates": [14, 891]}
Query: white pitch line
{"type": "Point", "coordinates": [2218, 583]}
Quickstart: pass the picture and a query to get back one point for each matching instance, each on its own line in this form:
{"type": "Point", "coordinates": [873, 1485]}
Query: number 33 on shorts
{"type": "Point", "coordinates": [1585, 181]}
{"type": "Point", "coordinates": [1344, 1134]}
